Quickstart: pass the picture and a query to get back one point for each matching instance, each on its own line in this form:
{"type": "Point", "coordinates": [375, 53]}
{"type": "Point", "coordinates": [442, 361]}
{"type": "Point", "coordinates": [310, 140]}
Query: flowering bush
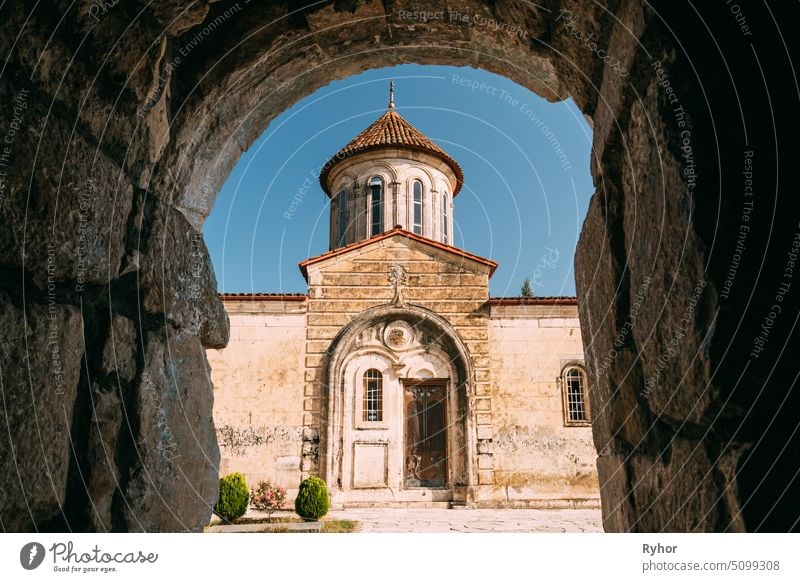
{"type": "Point", "coordinates": [267, 497]}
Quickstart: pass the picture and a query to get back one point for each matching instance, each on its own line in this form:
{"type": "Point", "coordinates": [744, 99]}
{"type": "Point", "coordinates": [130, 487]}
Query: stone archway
{"type": "Point", "coordinates": [434, 345]}
{"type": "Point", "coordinates": [120, 124]}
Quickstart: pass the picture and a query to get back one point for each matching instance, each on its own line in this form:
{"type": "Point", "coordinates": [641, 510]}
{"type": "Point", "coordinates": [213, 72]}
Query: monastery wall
{"type": "Point", "coordinates": [269, 382]}
{"type": "Point", "coordinates": [258, 390]}
{"type": "Point", "coordinates": [537, 459]}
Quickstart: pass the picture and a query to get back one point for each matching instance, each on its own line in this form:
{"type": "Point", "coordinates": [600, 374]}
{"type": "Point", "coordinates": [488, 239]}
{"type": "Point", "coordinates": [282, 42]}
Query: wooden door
{"type": "Point", "coordinates": [425, 462]}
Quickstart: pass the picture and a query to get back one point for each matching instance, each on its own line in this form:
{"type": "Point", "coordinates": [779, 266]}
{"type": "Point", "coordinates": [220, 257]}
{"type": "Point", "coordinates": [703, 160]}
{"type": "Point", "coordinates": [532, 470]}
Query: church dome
{"type": "Point", "coordinates": [390, 176]}
{"type": "Point", "coordinates": [390, 130]}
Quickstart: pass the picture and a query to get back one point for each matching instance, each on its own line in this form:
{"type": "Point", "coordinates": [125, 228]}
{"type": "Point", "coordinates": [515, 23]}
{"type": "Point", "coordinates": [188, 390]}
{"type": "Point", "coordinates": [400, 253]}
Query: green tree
{"type": "Point", "coordinates": [527, 290]}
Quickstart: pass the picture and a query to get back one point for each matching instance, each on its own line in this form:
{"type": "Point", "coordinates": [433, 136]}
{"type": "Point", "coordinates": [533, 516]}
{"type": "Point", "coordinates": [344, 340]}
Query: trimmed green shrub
{"type": "Point", "coordinates": [312, 499]}
{"type": "Point", "coordinates": [233, 497]}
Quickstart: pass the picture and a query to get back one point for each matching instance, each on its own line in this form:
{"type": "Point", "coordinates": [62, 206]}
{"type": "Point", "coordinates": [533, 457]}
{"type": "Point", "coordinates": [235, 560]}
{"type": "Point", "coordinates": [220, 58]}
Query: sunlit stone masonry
{"type": "Point", "coordinates": [397, 378]}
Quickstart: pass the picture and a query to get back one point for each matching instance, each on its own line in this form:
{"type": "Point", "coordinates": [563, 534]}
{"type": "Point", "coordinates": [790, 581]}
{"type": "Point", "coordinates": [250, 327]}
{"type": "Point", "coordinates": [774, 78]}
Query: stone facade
{"type": "Point", "coordinates": [258, 380]}
{"type": "Point", "coordinates": [507, 440]}
{"type": "Point", "coordinates": [538, 453]}
{"type": "Point", "coordinates": [344, 287]}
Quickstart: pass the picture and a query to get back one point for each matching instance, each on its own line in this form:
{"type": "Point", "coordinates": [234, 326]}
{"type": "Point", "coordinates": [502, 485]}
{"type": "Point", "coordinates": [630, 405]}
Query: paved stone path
{"type": "Point", "coordinates": [474, 520]}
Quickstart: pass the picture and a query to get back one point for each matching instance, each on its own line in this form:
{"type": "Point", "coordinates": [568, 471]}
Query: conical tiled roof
{"type": "Point", "coordinates": [390, 129]}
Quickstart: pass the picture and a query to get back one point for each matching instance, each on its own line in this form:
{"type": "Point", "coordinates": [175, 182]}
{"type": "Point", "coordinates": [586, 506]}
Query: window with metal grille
{"type": "Point", "coordinates": [373, 396]}
{"type": "Point", "coordinates": [342, 215]}
{"type": "Point", "coordinates": [445, 237]}
{"type": "Point", "coordinates": [575, 389]}
{"type": "Point", "coordinates": [376, 206]}
{"type": "Point", "coordinates": [417, 207]}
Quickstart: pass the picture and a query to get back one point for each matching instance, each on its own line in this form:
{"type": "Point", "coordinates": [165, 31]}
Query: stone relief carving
{"type": "Point", "coordinates": [398, 336]}
{"type": "Point", "coordinates": [398, 279]}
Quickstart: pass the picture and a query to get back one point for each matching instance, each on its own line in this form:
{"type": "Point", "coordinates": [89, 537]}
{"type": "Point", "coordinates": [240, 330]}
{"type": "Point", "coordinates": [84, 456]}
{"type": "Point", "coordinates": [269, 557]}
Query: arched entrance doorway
{"type": "Point", "coordinates": [397, 415]}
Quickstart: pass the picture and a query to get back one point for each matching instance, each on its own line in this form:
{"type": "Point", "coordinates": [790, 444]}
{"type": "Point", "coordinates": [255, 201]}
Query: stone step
{"type": "Point", "coordinates": [295, 527]}
{"type": "Point", "coordinates": [396, 504]}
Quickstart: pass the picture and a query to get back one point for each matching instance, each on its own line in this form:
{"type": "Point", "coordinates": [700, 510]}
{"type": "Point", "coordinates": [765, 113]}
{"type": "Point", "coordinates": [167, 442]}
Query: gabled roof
{"type": "Point", "coordinates": [390, 129]}
{"type": "Point", "coordinates": [397, 231]}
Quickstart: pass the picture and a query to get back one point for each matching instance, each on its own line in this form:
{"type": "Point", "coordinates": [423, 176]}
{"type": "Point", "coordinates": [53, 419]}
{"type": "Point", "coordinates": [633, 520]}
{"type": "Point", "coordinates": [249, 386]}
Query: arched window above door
{"type": "Point", "coordinates": [372, 404]}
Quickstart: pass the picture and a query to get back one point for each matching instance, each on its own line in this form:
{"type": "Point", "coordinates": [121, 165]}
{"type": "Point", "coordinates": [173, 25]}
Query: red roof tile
{"type": "Point", "coordinates": [397, 231]}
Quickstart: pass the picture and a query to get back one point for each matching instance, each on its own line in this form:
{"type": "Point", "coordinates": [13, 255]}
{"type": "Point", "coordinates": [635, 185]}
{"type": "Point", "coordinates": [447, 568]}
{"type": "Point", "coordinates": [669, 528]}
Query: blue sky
{"type": "Point", "coordinates": [522, 204]}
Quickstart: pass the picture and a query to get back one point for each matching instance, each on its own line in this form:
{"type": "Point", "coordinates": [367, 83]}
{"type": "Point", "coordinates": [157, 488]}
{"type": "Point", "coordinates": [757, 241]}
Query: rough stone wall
{"type": "Point", "coordinates": [258, 391]}
{"type": "Point", "coordinates": [147, 108]}
{"type": "Point", "coordinates": [681, 271]}
{"type": "Point", "coordinates": [537, 459]}
{"type": "Point", "coordinates": [91, 255]}
{"type": "Point", "coordinates": [53, 356]}
{"type": "Point", "coordinates": [342, 287]}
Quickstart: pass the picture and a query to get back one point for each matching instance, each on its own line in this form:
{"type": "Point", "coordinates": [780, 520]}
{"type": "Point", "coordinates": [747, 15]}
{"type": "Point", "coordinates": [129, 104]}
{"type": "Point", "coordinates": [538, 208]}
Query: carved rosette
{"type": "Point", "coordinates": [398, 336]}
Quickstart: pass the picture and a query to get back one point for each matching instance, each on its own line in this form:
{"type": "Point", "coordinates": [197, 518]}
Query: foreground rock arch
{"type": "Point", "coordinates": [121, 121]}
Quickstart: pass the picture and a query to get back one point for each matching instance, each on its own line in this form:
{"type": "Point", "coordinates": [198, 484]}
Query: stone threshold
{"type": "Point", "coordinates": [294, 527]}
{"type": "Point", "coordinates": [395, 505]}
{"type": "Point", "coordinates": [546, 503]}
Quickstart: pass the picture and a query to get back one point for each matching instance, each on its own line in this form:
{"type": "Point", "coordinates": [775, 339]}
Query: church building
{"type": "Point", "coordinates": [397, 378]}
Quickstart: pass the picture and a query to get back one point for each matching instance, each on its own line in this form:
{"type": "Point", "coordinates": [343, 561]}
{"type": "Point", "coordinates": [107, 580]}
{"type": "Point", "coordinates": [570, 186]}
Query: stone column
{"type": "Point", "coordinates": [395, 220]}
{"type": "Point", "coordinates": [434, 220]}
